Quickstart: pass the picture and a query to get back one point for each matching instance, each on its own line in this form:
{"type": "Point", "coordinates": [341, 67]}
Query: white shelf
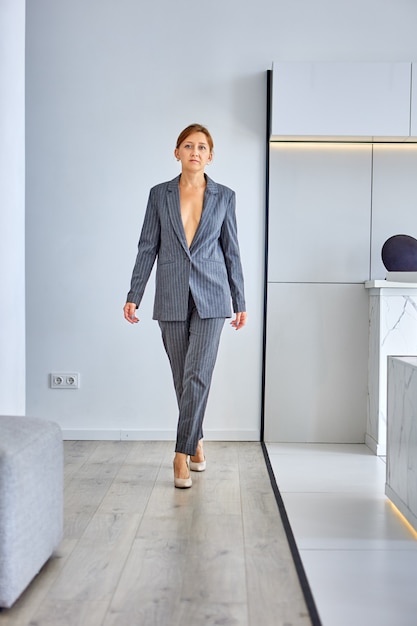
{"type": "Point", "coordinates": [350, 101]}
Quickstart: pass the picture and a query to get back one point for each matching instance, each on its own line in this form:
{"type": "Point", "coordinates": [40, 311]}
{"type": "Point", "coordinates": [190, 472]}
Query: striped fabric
{"type": "Point", "coordinates": [191, 347]}
{"type": "Point", "coordinates": [210, 268]}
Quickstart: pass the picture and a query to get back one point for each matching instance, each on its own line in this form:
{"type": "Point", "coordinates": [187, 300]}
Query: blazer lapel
{"type": "Point", "coordinates": [174, 211]}
{"type": "Point", "coordinates": [210, 198]}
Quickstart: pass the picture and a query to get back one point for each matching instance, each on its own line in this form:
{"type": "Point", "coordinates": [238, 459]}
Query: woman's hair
{"type": "Point", "coordinates": [195, 128]}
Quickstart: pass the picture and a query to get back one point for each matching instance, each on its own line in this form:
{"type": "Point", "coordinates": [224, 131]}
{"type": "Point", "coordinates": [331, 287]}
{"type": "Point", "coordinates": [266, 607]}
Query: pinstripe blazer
{"type": "Point", "coordinates": [210, 267]}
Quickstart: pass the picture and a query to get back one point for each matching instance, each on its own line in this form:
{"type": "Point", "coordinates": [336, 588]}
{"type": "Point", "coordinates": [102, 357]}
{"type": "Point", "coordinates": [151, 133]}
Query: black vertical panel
{"type": "Point", "coordinates": [267, 138]}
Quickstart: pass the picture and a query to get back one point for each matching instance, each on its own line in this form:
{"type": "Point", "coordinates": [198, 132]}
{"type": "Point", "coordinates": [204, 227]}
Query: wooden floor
{"type": "Point", "coordinates": [136, 551]}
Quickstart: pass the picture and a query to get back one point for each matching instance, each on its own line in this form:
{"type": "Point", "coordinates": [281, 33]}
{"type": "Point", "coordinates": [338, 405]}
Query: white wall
{"type": "Point", "coordinates": [12, 207]}
{"type": "Point", "coordinates": [109, 86]}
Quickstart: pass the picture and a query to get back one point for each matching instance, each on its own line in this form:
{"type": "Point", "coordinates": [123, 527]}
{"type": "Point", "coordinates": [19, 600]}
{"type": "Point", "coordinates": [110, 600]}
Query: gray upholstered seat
{"type": "Point", "coordinates": [31, 500]}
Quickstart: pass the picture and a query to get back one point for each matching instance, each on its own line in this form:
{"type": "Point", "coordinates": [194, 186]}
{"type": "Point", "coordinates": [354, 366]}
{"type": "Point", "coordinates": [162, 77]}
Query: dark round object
{"type": "Point", "coordinates": [399, 254]}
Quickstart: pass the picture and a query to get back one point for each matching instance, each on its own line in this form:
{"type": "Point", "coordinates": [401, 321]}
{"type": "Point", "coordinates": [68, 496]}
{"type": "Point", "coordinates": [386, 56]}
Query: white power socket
{"type": "Point", "coordinates": [66, 380]}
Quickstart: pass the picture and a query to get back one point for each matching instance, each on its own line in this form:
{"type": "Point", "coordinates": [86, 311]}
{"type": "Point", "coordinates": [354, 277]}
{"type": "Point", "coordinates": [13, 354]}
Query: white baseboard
{"type": "Point", "coordinates": [377, 448]}
{"type": "Point", "coordinates": [153, 435]}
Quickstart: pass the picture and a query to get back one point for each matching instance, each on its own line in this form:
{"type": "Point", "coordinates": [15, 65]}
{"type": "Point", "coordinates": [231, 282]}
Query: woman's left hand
{"type": "Point", "coordinates": [239, 321]}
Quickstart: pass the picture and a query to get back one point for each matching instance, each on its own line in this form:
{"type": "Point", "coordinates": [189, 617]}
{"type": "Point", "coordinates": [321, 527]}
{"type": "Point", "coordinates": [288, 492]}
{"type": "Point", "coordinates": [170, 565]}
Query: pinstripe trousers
{"type": "Point", "coordinates": [192, 348]}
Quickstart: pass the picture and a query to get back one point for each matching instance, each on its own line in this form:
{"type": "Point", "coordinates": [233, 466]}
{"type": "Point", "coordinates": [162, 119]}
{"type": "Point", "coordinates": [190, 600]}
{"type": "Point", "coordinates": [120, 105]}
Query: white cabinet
{"type": "Point", "coordinates": [414, 101]}
{"type": "Point", "coordinates": [349, 100]}
{"type": "Point", "coordinates": [394, 198]}
{"type": "Point", "coordinates": [319, 212]}
{"type": "Point", "coordinates": [331, 207]}
{"type": "Point", "coordinates": [316, 363]}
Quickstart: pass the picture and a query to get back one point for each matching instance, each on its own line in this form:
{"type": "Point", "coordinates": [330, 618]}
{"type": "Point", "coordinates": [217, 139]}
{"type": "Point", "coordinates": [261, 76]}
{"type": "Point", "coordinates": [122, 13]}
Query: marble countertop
{"type": "Point", "coordinates": [388, 284]}
{"type": "Point", "coordinates": [409, 360]}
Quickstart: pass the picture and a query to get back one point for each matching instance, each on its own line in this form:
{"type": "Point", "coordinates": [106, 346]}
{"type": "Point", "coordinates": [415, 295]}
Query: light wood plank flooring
{"type": "Point", "coordinates": [136, 551]}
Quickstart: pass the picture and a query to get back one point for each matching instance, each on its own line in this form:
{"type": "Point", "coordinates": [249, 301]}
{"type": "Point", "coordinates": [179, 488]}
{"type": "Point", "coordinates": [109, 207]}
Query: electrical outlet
{"type": "Point", "coordinates": [66, 380]}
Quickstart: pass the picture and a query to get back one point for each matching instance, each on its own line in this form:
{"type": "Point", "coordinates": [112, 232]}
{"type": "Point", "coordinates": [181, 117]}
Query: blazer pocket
{"type": "Point", "coordinates": [166, 262]}
{"type": "Point", "coordinates": [214, 261]}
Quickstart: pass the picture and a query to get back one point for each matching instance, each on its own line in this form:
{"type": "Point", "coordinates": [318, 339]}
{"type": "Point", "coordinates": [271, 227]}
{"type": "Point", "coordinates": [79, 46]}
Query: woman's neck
{"type": "Point", "coordinates": [195, 180]}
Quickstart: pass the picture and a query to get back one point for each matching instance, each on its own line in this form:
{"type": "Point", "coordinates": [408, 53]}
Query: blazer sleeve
{"type": "Point", "coordinates": [148, 248]}
{"type": "Point", "coordinates": [230, 246]}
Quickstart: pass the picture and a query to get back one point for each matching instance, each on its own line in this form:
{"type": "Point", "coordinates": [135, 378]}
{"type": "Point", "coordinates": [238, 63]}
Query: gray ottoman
{"type": "Point", "coordinates": [31, 500]}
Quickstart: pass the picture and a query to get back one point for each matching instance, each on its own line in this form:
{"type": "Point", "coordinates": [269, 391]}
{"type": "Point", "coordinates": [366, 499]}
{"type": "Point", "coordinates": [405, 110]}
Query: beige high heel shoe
{"type": "Point", "coordinates": [198, 466]}
{"type": "Point", "coordinates": [183, 483]}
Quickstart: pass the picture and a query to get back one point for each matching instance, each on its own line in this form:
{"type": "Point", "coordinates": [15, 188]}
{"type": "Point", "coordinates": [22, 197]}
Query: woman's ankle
{"type": "Point", "coordinates": [198, 456]}
{"type": "Point", "coordinates": [181, 466]}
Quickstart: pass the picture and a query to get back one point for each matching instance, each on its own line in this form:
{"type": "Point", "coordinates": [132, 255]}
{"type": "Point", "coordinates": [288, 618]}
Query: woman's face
{"type": "Point", "coordinates": [194, 152]}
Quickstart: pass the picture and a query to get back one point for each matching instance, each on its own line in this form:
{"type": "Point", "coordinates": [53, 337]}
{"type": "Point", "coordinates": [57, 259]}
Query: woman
{"type": "Point", "coordinates": [190, 227]}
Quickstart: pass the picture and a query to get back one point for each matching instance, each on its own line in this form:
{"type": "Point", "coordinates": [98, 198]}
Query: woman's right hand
{"type": "Point", "coordinates": [129, 311]}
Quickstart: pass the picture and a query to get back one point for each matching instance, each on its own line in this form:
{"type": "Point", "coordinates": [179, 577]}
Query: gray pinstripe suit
{"type": "Point", "coordinates": [194, 288]}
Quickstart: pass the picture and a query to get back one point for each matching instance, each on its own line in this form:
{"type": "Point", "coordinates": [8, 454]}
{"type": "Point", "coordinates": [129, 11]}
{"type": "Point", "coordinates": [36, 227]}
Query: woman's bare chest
{"type": "Point", "coordinates": [191, 205]}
